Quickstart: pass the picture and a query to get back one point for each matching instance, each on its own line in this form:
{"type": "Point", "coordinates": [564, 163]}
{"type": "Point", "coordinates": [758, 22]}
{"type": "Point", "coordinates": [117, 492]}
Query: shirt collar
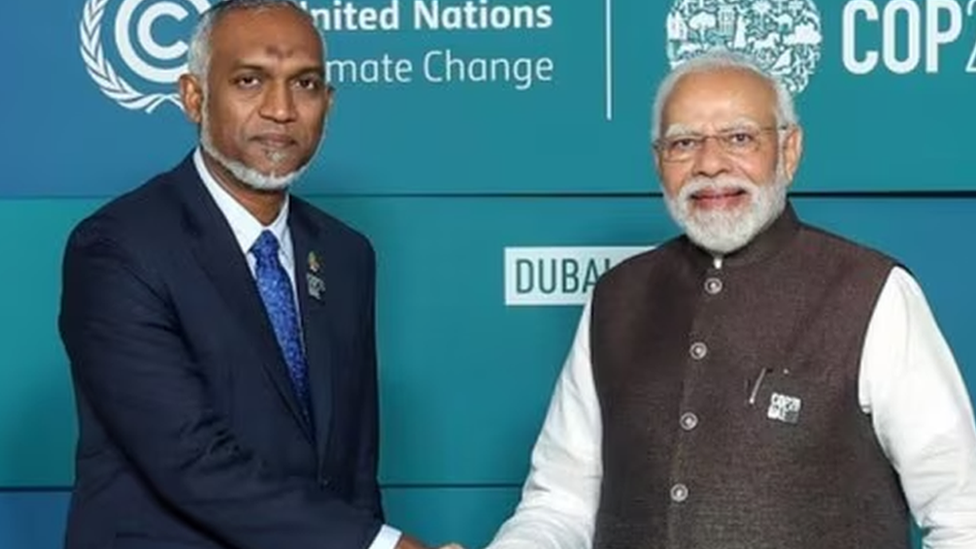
{"type": "Point", "coordinates": [245, 226]}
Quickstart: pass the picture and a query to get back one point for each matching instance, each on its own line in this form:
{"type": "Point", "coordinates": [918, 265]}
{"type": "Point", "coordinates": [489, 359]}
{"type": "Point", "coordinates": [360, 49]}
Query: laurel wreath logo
{"type": "Point", "coordinates": [102, 72]}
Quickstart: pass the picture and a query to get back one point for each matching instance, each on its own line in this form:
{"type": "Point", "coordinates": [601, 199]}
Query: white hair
{"type": "Point", "coordinates": [198, 57]}
{"type": "Point", "coordinates": [716, 60]}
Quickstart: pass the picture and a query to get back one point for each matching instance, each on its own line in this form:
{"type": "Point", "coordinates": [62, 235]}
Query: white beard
{"type": "Point", "coordinates": [246, 175]}
{"type": "Point", "coordinates": [722, 231]}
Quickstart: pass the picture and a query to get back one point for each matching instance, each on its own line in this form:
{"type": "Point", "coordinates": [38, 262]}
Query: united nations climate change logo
{"type": "Point", "coordinates": [783, 36]}
{"type": "Point", "coordinates": [148, 20]}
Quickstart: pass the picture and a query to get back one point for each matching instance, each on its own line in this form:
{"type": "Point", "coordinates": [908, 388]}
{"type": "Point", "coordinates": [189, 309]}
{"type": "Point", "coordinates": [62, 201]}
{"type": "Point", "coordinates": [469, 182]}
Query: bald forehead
{"type": "Point", "coordinates": [721, 95]}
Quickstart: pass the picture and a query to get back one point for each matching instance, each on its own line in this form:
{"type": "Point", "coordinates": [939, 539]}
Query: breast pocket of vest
{"type": "Point", "coordinates": [798, 407]}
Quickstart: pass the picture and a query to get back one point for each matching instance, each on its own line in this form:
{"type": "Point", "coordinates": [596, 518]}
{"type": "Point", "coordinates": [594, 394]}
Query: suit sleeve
{"type": "Point", "coordinates": [367, 491]}
{"type": "Point", "coordinates": [131, 364]}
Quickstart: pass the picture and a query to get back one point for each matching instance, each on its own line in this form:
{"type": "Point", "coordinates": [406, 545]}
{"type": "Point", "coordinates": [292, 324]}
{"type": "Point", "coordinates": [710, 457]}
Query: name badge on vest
{"type": "Point", "coordinates": [784, 408]}
{"type": "Point", "coordinates": [315, 284]}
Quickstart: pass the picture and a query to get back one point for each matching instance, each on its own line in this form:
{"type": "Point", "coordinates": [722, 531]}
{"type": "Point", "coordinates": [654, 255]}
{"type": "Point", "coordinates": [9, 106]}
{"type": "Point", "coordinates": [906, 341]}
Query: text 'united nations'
{"type": "Point", "coordinates": [429, 15]}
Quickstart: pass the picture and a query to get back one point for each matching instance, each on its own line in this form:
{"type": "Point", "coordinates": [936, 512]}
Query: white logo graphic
{"type": "Point", "coordinates": [784, 408]}
{"type": "Point", "coordinates": [783, 36]}
{"type": "Point", "coordinates": [558, 276]}
{"type": "Point", "coordinates": [104, 74]}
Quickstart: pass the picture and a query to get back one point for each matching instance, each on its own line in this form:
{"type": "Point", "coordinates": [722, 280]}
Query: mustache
{"type": "Point", "coordinates": [722, 183]}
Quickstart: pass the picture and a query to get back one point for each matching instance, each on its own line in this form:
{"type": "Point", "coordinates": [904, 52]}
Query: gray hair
{"type": "Point", "coordinates": [198, 58]}
{"type": "Point", "coordinates": [715, 60]}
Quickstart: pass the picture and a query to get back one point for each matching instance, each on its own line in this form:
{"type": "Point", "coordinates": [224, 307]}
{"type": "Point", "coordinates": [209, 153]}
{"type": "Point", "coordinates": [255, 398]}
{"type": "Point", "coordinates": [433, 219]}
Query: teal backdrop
{"type": "Point", "coordinates": [456, 173]}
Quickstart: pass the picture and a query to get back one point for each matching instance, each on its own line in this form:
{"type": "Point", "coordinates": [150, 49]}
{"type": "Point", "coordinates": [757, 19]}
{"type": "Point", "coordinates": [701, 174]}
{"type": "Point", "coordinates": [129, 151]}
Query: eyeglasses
{"type": "Point", "coordinates": [736, 142]}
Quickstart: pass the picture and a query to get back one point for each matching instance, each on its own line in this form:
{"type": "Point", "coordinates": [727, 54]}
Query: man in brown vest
{"type": "Point", "coordinates": [756, 383]}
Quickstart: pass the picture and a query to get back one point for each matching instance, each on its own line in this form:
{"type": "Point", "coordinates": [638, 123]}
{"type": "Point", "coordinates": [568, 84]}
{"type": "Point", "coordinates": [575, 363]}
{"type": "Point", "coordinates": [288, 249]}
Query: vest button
{"type": "Point", "coordinates": [713, 285]}
{"type": "Point", "coordinates": [698, 350]}
{"type": "Point", "coordinates": [689, 421]}
{"type": "Point", "coordinates": [679, 493]}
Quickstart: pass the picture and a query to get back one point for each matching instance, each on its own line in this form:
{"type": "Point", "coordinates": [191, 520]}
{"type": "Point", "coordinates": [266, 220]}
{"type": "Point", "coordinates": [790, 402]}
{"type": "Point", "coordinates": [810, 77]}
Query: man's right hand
{"type": "Point", "coordinates": [408, 542]}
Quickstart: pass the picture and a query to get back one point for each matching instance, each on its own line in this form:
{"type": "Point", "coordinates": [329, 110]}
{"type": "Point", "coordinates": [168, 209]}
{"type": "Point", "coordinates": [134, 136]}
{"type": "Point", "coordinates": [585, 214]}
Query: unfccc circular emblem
{"type": "Point", "coordinates": [137, 47]}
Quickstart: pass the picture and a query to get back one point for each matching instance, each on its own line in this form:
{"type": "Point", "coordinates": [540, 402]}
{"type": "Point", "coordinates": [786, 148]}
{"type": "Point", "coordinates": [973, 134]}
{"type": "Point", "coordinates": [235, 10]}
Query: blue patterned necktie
{"type": "Point", "coordinates": [275, 289]}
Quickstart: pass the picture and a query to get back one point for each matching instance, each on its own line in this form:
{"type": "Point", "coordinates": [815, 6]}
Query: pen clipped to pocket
{"type": "Point", "coordinates": [756, 384]}
{"type": "Point", "coordinates": [782, 407]}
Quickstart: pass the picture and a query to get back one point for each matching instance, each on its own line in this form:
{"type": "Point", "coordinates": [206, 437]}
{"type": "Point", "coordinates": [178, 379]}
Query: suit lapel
{"type": "Point", "coordinates": [217, 251]}
{"type": "Point", "coordinates": [315, 281]}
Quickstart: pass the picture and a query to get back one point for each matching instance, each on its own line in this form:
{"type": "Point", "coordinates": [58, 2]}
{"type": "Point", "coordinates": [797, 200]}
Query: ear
{"type": "Point", "coordinates": [330, 98]}
{"type": "Point", "coordinates": [327, 110]}
{"type": "Point", "coordinates": [191, 94]}
{"type": "Point", "coordinates": [792, 151]}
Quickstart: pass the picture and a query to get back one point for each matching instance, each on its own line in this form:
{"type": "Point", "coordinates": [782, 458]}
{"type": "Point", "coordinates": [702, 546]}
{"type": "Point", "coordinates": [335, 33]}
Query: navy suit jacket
{"type": "Point", "coordinates": [191, 435]}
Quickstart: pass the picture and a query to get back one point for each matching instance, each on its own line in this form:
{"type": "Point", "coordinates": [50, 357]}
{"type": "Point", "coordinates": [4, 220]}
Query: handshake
{"type": "Point", "coordinates": [407, 542]}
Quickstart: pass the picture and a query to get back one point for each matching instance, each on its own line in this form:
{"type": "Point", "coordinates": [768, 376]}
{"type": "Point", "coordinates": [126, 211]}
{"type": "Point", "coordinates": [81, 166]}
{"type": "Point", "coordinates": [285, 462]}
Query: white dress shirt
{"type": "Point", "coordinates": [909, 382]}
{"type": "Point", "coordinates": [246, 230]}
{"type": "Point", "coordinates": [246, 227]}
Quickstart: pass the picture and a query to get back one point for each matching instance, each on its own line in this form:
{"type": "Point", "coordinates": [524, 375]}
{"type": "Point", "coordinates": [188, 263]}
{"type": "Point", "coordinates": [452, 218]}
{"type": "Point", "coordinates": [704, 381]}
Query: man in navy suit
{"type": "Point", "coordinates": [221, 331]}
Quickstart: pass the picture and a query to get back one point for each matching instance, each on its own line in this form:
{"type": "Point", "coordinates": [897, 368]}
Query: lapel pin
{"type": "Point", "coordinates": [315, 286]}
{"type": "Point", "coordinates": [784, 408]}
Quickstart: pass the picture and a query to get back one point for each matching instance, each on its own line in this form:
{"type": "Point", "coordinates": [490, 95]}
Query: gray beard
{"type": "Point", "coordinates": [246, 175]}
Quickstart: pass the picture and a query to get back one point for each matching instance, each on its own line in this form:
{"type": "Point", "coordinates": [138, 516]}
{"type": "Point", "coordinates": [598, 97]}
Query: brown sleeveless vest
{"type": "Point", "coordinates": [729, 398]}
